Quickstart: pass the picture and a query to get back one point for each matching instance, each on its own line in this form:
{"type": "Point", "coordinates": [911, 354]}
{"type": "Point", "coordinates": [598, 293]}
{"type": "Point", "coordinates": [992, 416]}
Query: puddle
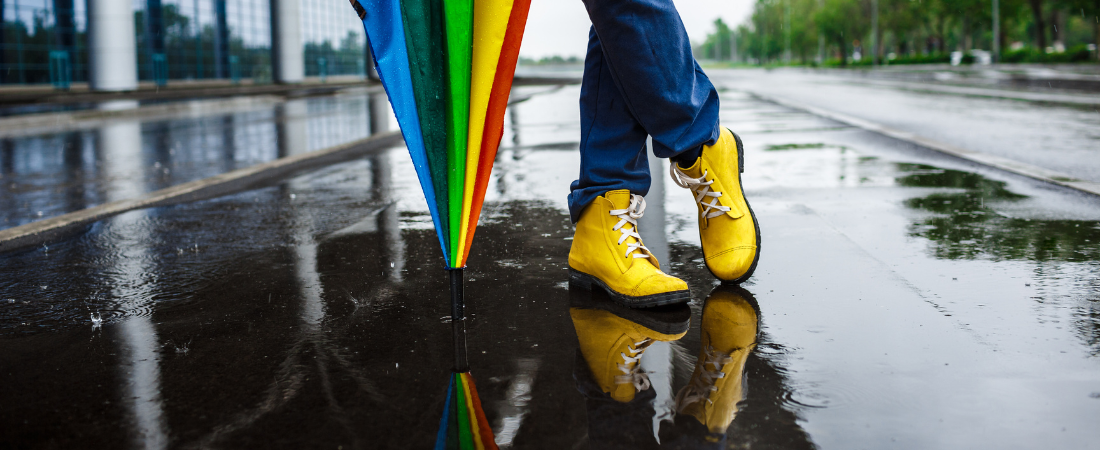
{"type": "Point", "coordinates": [966, 223]}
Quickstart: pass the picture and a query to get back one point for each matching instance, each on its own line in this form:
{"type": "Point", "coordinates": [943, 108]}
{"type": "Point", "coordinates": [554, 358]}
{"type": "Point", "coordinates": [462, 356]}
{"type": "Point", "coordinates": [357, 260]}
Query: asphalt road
{"type": "Point", "coordinates": [1049, 135]}
{"type": "Point", "coordinates": [905, 300]}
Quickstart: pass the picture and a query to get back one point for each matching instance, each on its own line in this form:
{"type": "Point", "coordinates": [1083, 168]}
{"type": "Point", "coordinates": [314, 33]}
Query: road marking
{"type": "Point", "coordinates": [985, 159]}
{"type": "Point", "coordinates": [35, 234]}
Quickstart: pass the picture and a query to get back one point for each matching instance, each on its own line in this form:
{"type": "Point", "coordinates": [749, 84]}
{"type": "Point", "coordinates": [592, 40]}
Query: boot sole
{"type": "Point", "coordinates": [755, 223]}
{"type": "Point", "coordinates": [586, 281]}
{"type": "Point", "coordinates": [669, 319]}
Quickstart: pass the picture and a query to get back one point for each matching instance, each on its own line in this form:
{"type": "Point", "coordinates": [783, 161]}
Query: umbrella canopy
{"type": "Point", "coordinates": [447, 67]}
{"type": "Point", "coordinates": [463, 425]}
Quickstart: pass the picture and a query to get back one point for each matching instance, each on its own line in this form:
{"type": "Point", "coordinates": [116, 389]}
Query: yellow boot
{"type": "Point", "coordinates": [608, 253]}
{"type": "Point", "coordinates": [727, 225]}
{"type": "Point", "coordinates": [729, 335]}
{"type": "Point", "coordinates": [612, 346]}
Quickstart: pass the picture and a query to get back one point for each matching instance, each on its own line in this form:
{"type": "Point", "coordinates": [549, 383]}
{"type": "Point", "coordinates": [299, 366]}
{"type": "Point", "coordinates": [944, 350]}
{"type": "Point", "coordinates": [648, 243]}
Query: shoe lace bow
{"type": "Point", "coordinates": [632, 373]}
{"type": "Point", "coordinates": [630, 215]}
{"type": "Point", "coordinates": [701, 187]}
{"type": "Point", "coordinates": [701, 387]}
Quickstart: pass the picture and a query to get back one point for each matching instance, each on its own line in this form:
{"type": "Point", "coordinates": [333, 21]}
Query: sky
{"type": "Point", "coordinates": [560, 27]}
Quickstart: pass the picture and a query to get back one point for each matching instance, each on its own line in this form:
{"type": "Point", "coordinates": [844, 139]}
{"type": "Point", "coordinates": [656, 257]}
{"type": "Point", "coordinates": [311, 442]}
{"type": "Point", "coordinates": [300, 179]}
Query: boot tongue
{"type": "Point", "coordinates": [619, 199]}
{"type": "Point", "coordinates": [695, 171]}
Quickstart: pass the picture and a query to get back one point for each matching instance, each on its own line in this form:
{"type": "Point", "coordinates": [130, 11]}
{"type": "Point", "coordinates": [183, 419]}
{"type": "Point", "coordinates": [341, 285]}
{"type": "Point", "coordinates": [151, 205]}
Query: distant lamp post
{"type": "Point", "coordinates": [763, 38]}
{"type": "Point", "coordinates": [733, 46]}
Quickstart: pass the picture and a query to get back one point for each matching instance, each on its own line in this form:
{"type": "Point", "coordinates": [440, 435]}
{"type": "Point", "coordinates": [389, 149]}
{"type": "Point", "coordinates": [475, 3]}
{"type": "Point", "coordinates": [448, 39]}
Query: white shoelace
{"type": "Point", "coordinates": [631, 215]}
{"type": "Point", "coordinates": [701, 387]}
{"type": "Point", "coordinates": [701, 187]}
{"type": "Point", "coordinates": [632, 374]}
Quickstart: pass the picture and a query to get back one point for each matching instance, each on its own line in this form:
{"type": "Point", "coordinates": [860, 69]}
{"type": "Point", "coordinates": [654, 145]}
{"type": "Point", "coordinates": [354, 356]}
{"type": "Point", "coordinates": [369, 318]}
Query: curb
{"type": "Point", "coordinates": [175, 91]}
{"type": "Point", "coordinates": [1005, 164]}
{"type": "Point", "coordinates": [36, 233]}
{"type": "Point", "coordinates": [1037, 97]}
{"type": "Point", "coordinates": [36, 124]}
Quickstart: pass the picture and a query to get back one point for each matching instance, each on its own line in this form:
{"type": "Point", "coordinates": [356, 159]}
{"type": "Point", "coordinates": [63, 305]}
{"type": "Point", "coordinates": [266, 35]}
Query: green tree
{"type": "Point", "coordinates": [1088, 9]}
{"type": "Point", "coordinates": [718, 45]}
{"type": "Point", "coordinates": [844, 22]}
{"type": "Point", "coordinates": [967, 14]}
{"type": "Point", "coordinates": [1040, 25]}
{"type": "Point", "coordinates": [928, 28]}
{"type": "Point", "coordinates": [900, 20]}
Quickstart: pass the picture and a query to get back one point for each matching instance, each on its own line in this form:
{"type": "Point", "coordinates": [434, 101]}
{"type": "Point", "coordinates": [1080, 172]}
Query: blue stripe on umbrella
{"type": "Point", "coordinates": [386, 37]}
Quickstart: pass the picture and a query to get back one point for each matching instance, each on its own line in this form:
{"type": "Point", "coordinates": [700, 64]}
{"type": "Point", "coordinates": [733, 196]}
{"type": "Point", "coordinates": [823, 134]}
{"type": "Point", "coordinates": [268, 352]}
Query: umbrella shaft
{"type": "Point", "coordinates": [458, 320]}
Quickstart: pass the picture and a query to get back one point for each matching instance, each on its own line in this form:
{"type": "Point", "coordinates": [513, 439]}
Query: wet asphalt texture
{"type": "Point", "coordinates": [1063, 138]}
{"type": "Point", "coordinates": [905, 299]}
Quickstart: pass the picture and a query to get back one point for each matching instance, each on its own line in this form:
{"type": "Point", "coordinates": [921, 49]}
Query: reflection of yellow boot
{"type": "Point", "coordinates": [612, 347]}
{"type": "Point", "coordinates": [727, 225]}
{"type": "Point", "coordinates": [608, 253]}
{"type": "Point", "coordinates": [729, 335]}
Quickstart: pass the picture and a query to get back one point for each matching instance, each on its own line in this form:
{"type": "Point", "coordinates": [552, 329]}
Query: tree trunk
{"type": "Point", "coordinates": [1040, 26]}
{"type": "Point", "coordinates": [941, 35]}
{"type": "Point", "coordinates": [1058, 29]}
{"type": "Point", "coordinates": [967, 42]}
{"type": "Point", "coordinates": [880, 47]}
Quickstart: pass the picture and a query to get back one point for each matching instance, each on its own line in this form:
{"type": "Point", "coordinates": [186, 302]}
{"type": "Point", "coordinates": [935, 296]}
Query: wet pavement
{"type": "Point", "coordinates": [1056, 137]}
{"type": "Point", "coordinates": [903, 299]}
{"type": "Point", "coordinates": [55, 172]}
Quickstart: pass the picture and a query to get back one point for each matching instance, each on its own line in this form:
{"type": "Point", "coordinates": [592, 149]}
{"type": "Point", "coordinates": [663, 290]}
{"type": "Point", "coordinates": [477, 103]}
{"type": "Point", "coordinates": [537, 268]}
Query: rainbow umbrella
{"type": "Point", "coordinates": [447, 67]}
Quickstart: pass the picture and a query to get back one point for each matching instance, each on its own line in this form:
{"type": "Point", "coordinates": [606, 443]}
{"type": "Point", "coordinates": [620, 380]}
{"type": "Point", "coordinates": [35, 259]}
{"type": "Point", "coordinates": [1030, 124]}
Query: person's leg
{"type": "Point", "coordinates": [612, 141]}
{"type": "Point", "coordinates": [606, 201]}
{"type": "Point", "coordinates": [648, 53]}
{"type": "Point", "coordinates": [641, 80]}
{"type": "Point", "coordinates": [646, 50]}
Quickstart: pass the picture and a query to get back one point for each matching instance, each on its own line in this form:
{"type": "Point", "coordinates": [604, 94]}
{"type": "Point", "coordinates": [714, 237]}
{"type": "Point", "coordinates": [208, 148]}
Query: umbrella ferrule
{"type": "Point", "coordinates": [458, 319]}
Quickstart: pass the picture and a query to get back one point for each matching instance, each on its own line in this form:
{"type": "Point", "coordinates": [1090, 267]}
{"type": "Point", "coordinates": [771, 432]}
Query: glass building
{"type": "Point", "coordinates": [48, 41]}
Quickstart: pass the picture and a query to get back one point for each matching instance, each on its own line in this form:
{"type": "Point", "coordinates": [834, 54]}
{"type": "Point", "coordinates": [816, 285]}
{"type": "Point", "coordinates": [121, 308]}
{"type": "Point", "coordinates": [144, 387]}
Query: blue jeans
{"type": "Point", "coordinates": [640, 80]}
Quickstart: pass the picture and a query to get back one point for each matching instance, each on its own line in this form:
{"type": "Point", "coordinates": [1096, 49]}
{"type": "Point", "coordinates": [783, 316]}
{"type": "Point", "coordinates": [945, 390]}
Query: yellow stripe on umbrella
{"type": "Point", "coordinates": [490, 26]}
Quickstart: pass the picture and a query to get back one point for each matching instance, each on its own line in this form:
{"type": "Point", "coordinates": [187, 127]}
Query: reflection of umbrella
{"type": "Point", "coordinates": [448, 67]}
{"type": "Point", "coordinates": [463, 425]}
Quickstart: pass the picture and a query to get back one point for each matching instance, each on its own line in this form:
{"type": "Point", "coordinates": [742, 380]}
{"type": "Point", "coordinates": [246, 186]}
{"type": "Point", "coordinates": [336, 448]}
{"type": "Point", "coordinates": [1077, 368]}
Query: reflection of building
{"type": "Point", "coordinates": [131, 269]}
{"type": "Point", "coordinates": [114, 43]}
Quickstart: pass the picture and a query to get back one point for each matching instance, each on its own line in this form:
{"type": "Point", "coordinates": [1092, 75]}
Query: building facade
{"type": "Point", "coordinates": [114, 44]}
